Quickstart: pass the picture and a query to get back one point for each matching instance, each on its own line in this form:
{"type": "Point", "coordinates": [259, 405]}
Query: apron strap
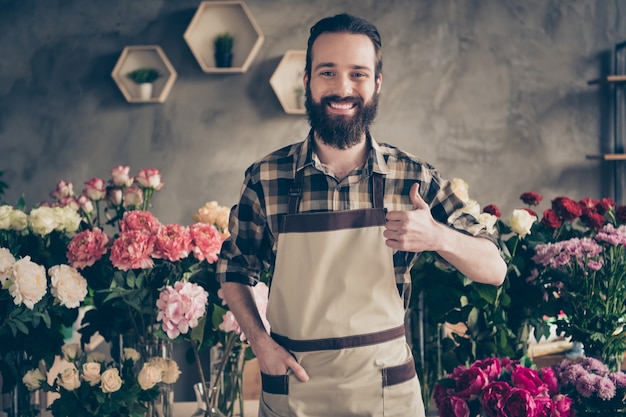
{"type": "Point", "coordinates": [295, 191]}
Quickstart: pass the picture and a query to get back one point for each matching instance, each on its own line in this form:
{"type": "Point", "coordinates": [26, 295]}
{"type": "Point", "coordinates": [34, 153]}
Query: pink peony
{"type": "Point", "coordinates": [207, 241]}
{"type": "Point", "coordinates": [173, 242]}
{"type": "Point", "coordinates": [132, 250]}
{"type": "Point", "coordinates": [454, 407]}
{"type": "Point", "coordinates": [62, 190]}
{"type": "Point", "coordinates": [491, 366]}
{"type": "Point", "coordinates": [548, 376]}
{"type": "Point", "coordinates": [492, 396]}
{"type": "Point", "coordinates": [528, 378]}
{"type": "Point", "coordinates": [86, 248]}
{"type": "Point", "coordinates": [561, 406]}
{"type": "Point", "coordinates": [141, 221]}
{"type": "Point", "coordinates": [544, 405]}
{"type": "Point", "coordinates": [180, 307]}
{"type": "Point", "coordinates": [518, 403]}
{"type": "Point", "coordinates": [260, 293]}
{"type": "Point", "coordinates": [470, 383]}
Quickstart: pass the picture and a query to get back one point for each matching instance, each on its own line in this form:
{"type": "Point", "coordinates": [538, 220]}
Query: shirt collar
{"type": "Point", "coordinates": [375, 161]}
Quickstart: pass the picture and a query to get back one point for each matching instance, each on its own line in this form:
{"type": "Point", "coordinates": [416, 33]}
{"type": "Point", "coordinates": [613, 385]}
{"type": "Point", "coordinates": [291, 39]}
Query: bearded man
{"type": "Point", "coordinates": [339, 219]}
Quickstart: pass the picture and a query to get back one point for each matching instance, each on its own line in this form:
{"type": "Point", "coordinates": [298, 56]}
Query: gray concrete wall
{"type": "Point", "coordinates": [491, 91]}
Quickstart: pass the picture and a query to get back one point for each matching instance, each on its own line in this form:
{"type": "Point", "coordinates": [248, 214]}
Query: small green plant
{"type": "Point", "coordinates": [143, 75]}
{"type": "Point", "coordinates": [223, 43]}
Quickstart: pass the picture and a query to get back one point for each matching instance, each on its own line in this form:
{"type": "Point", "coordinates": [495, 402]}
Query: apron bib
{"type": "Point", "coordinates": [335, 306]}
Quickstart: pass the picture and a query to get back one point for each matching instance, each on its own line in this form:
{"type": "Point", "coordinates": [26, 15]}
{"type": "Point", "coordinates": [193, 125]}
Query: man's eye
{"type": "Point", "coordinates": [358, 75]}
{"type": "Point", "coordinates": [327, 73]}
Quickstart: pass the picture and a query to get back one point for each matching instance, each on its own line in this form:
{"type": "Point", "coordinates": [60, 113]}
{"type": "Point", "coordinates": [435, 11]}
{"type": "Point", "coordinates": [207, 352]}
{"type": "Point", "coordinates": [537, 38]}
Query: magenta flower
{"type": "Point", "coordinates": [518, 403]}
{"type": "Point", "coordinates": [528, 379]}
{"type": "Point", "coordinates": [454, 407]}
{"type": "Point", "coordinates": [180, 307]}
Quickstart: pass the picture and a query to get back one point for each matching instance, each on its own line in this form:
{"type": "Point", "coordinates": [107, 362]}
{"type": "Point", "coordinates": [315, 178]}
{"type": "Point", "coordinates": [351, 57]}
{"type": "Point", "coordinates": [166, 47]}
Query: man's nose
{"type": "Point", "coordinates": [343, 86]}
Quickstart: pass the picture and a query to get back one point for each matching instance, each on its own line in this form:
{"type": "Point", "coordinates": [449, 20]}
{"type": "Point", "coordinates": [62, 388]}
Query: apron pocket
{"type": "Point", "coordinates": [274, 401]}
{"type": "Point", "coordinates": [401, 391]}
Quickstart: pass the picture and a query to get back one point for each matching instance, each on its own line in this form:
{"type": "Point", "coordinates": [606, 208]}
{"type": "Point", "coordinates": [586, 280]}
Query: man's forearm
{"type": "Point", "coordinates": [241, 302]}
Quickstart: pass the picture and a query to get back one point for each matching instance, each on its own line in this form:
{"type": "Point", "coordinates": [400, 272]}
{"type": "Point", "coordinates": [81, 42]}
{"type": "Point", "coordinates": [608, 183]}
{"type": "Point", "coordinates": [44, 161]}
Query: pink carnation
{"type": "Point", "coordinates": [132, 250]}
{"type": "Point", "coordinates": [86, 248]}
{"type": "Point", "coordinates": [139, 220]}
{"type": "Point", "coordinates": [173, 243]}
{"type": "Point", "coordinates": [180, 307]}
{"type": "Point", "coordinates": [260, 292]}
{"type": "Point", "coordinates": [207, 241]}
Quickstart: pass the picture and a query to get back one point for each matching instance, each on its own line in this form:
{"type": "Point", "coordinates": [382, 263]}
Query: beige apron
{"type": "Point", "coordinates": [335, 306]}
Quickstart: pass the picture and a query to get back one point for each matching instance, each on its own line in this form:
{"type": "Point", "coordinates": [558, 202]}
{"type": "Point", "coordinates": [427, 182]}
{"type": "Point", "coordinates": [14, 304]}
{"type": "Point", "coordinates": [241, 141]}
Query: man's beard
{"type": "Point", "coordinates": [341, 132]}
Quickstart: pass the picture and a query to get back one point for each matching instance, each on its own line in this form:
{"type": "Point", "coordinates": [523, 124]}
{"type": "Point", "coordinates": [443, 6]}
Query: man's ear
{"type": "Point", "coordinates": [379, 82]}
{"type": "Point", "coordinates": [305, 79]}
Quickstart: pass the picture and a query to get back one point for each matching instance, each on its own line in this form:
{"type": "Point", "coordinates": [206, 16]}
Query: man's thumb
{"type": "Point", "coordinates": [416, 198]}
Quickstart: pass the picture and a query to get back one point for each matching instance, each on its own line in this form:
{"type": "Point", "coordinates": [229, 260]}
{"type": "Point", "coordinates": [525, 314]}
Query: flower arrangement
{"type": "Point", "coordinates": [91, 385]}
{"type": "Point", "coordinates": [593, 388]}
{"type": "Point", "coordinates": [39, 292]}
{"type": "Point", "coordinates": [495, 387]}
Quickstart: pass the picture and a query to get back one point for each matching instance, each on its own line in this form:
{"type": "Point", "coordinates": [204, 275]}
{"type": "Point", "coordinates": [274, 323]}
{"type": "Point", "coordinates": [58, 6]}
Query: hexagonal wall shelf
{"type": "Point", "coordinates": [144, 56]}
{"type": "Point", "coordinates": [286, 81]}
{"type": "Point", "coordinates": [216, 17]}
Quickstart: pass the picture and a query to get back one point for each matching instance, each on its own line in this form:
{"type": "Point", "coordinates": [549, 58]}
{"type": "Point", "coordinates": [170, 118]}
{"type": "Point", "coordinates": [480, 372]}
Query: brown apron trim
{"type": "Point", "coordinates": [275, 384]}
{"type": "Point", "coordinates": [335, 220]}
{"type": "Point", "coordinates": [398, 374]}
{"type": "Point", "coordinates": [337, 343]}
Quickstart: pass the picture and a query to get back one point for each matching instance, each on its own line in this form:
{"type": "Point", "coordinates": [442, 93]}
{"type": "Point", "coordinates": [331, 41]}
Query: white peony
{"type": "Point", "coordinates": [522, 221]}
{"type": "Point", "coordinates": [68, 285]}
{"type": "Point", "coordinates": [29, 282]}
{"type": "Point", "coordinates": [6, 263]}
{"type": "Point", "coordinates": [472, 208]}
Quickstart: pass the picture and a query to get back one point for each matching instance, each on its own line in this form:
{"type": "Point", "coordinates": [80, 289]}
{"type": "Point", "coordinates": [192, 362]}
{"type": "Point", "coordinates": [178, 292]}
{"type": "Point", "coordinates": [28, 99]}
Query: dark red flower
{"type": "Point", "coordinates": [531, 198]}
{"type": "Point", "coordinates": [492, 209]}
{"type": "Point", "coordinates": [551, 219]}
{"type": "Point", "coordinates": [593, 220]}
{"type": "Point", "coordinates": [532, 213]}
{"type": "Point", "coordinates": [620, 214]}
{"type": "Point", "coordinates": [566, 208]}
{"type": "Point", "coordinates": [605, 205]}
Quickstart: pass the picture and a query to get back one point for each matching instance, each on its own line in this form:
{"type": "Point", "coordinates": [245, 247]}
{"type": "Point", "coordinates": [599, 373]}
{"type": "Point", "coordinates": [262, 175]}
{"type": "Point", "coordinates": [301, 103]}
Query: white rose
{"type": "Point", "coordinates": [33, 378]}
{"type": "Point", "coordinates": [522, 221]}
{"type": "Point", "coordinates": [69, 379]}
{"type": "Point", "coordinates": [91, 373]}
{"type": "Point", "coordinates": [132, 354]}
{"type": "Point", "coordinates": [71, 351]}
{"type": "Point", "coordinates": [18, 219]}
{"type": "Point", "coordinates": [6, 262]}
{"type": "Point", "coordinates": [460, 188]}
{"type": "Point", "coordinates": [472, 208]}
{"type": "Point", "coordinates": [42, 220]}
{"type": "Point", "coordinates": [29, 282]}
{"type": "Point", "coordinates": [68, 219]}
{"type": "Point", "coordinates": [489, 221]}
{"type": "Point", "coordinates": [149, 376]}
{"type": "Point", "coordinates": [68, 285]}
{"type": "Point", "coordinates": [5, 217]}
{"type": "Point", "coordinates": [111, 380]}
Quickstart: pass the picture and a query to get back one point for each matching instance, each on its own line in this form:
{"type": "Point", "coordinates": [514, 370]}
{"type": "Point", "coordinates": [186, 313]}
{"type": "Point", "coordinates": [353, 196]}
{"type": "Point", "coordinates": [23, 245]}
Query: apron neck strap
{"type": "Point", "coordinates": [295, 191]}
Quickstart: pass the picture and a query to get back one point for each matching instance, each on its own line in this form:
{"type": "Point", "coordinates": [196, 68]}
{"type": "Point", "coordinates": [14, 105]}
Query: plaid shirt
{"type": "Point", "coordinates": [255, 221]}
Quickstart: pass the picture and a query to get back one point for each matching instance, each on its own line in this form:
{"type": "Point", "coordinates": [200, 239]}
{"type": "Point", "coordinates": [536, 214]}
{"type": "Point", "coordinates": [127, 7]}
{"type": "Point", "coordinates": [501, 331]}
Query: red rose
{"type": "Point", "coordinates": [605, 205]}
{"type": "Point", "coordinates": [552, 220]}
{"type": "Point", "coordinates": [531, 198]}
{"type": "Point", "coordinates": [518, 403]}
{"type": "Point", "coordinates": [492, 209]}
{"type": "Point", "coordinates": [620, 213]}
{"type": "Point", "coordinates": [492, 396]}
{"type": "Point", "coordinates": [454, 407]}
{"type": "Point", "coordinates": [528, 378]}
{"type": "Point", "coordinates": [566, 208]}
{"type": "Point", "coordinates": [588, 203]}
{"type": "Point", "coordinates": [470, 383]}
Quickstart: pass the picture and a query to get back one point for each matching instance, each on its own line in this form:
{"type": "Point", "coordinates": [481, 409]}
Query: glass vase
{"type": "Point", "coordinates": [19, 401]}
{"type": "Point", "coordinates": [227, 378]}
{"type": "Point", "coordinates": [205, 409]}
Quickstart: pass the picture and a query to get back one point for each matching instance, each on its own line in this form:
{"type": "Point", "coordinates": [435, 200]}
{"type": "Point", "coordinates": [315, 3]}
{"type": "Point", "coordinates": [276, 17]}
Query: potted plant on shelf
{"type": "Point", "coordinates": [223, 53]}
{"type": "Point", "coordinates": [144, 78]}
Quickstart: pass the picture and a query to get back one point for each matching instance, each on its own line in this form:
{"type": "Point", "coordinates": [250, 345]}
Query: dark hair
{"type": "Point", "coordinates": [345, 23]}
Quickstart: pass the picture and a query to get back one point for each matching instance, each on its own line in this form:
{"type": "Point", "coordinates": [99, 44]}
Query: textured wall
{"type": "Point", "coordinates": [491, 91]}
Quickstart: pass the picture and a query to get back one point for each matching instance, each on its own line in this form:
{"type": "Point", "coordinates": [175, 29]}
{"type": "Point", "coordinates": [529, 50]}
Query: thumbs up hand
{"type": "Point", "coordinates": [412, 231]}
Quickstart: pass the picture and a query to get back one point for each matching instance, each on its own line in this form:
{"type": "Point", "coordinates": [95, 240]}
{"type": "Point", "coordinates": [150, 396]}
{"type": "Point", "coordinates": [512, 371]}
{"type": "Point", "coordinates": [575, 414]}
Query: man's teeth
{"type": "Point", "coordinates": [341, 106]}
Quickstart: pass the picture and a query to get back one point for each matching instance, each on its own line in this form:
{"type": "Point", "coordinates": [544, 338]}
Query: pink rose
{"type": "Point", "coordinates": [86, 248]}
{"type": "Point", "coordinates": [140, 221]}
{"type": "Point", "coordinates": [63, 189]}
{"type": "Point", "coordinates": [180, 307]}
{"type": "Point", "coordinates": [528, 378]}
{"type": "Point", "coordinates": [120, 176]}
{"type": "Point", "coordinates": [548, 376]}
{"type": "Point", "coordinates": [95, 189]}
{"type": "Point", "coordinates": [149, 178]}
{"type": "Point", "coordinates": [173, 242]}
{"type": "Point", "coordinates": [470, 383]}
{"type": "Point", "coordinates": [454, 407]}
{"type": "Point", "coordinates": [132, 250]}
{"type": "Point", "coordinates": [518, 403]}
{"type": "Point", "coordinates": [69, 201]}
{"type": "Point", "coordinates": [491, 366]}
{"type": "Point", "coordinates": [115, 196]}
{"type": "Point", "coordinates": [86, 205]}
{"type": "Point", "coordinates": [492, 395]}
{"type": "Point", "coordinates": [133, 197]}
{"type": "Point", "coordinates": [207, 241]}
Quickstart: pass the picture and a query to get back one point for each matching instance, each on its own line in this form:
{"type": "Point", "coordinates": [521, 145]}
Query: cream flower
{"type": "Point", "coordinates": [169, 369]}
{"type": "Point", "coordinates": [111, 380]}
{"type": "Point", "coordinates": [149, 376]}
{"type": "Point", "coordinates": [42, 220]}
{"type": "Point", "coordinates": [69, 379]}
{"type": "Point", "coordinates": [460, 188]}
{"type": "Point", "coordinates": [29, 282]}
{"type": "Point", "coordinates": [213, 213]}
{"type": "Point", "coordinates": [68, 285]}
{"type": "Point", "coordinates": [33, 378]}
{"type": "Point", "coordinates": [67, 218]}
{"type": "Point", "coordinates": [489, 221]}
{"type": "Point", "coordinates": [71, 351]}
{"type": "Point", "coordinates": [91, 373]}
{"type": "Point", "coordinates": [18, 220]}
{"type": "Point", "coordinates": [132, 354]}
{"type": "Point", "coordinates": [5, 217]}
{"type": "Point", "coordinates": [6, 263]}
{"type": "Point", "coordinates": [521, 222]}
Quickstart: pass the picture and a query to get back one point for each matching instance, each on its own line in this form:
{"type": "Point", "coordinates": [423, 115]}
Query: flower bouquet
{"type": "Point", "coordinates": [595, 390]}
{"type": "Point", "coordinates": [91, 385]}
{"type": "Point", "coordinates": [496, 387]}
